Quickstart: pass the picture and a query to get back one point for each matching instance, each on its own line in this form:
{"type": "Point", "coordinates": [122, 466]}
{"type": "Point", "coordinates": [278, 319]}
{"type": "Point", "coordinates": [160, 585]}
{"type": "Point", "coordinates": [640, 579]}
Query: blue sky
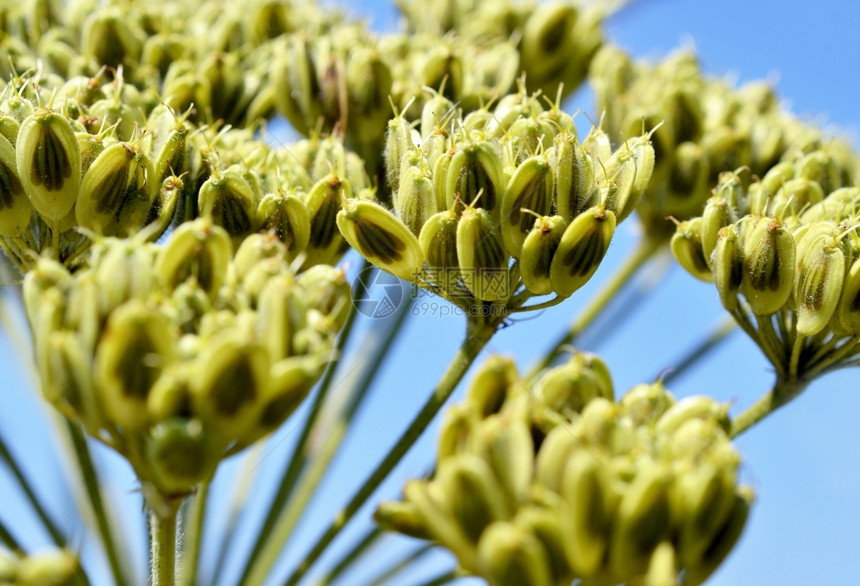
{"type": "Point", "coordinates": [803, 461]}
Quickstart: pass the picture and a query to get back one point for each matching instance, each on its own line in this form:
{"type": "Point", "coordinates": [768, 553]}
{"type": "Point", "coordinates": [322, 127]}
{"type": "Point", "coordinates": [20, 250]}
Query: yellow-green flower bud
{"type": "Point", "coordinates": [181, 454]}
{"type": "Point", "coordinates": [116, 192]}
{"type": "Point", "coordinates": [381, 238]}
{"type": "Point", "coordinates": [641, 522]}
{"type": "Point", "coordinates": [575, 186]}
{"type": "Point", "coordinates": [538, 251]}
{"type": "Point", "coordinates": [819, 279]}
{"type": "Point", "coordinates": [323, 203]}
{"type": "Point", "coordinates": [769, 266]}
{"type": "Point", "coordinates": [728, 266]}
{"type": "Point", "coordinates": [688, 250]}
{"type": "Point", "coordinates": [415, 201]}
{"type": "Point", "coordinates": [591, 500]}
{"type": "Point", "coordinates": [530, 189]}
{"type": "Point", "coordinates": [15, 206]}
{"type": "Point", "coordinates": [196, 250]}
{"type": "Point", "coordinates": [475, 177]}
{"type": "Point", "coordinates": [228, 199]}
{"type": "Point", "coordinates": [509, 554]}
{"type": "Point", "coordinates": [232, 374]}
{"type": "Point", "coordinates": [582, 248]}
{"type": "Point", "coordinates": [483, 262]}
{"type": "Point", "coordinates": [49, 164]}
{"type": "Point", "coordinates": [137, 345]}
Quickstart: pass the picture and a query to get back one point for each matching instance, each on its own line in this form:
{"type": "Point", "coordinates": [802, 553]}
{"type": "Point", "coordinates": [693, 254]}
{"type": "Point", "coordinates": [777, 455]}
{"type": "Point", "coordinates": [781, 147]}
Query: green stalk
{"type": "Point", "coordinates": [647, 248]}
{"type": "Point", "coordinates": [162, 542]}
{"type": "Point", "coordinates": [397, 567]}
{"type": "Point", "coordinates": [81, 450]}
{"type": "Point", "coordinates": [7, 539]}
{"type": "Point", "coordinates": [50, 526]}
{"type": "Point", "coordinates": [290, 510]}
{"type": "Point", "coordinates": [444, 578]}
{"type": "Point", "coordinates": [298, 457]}
{"type": "Point", "coordinates": [477, 337]}
{"type": "Point", "coordinates": [781, 394]}
{"type": "Point", "coordinates": [350, 557]}
{"type": "Point", "coordinates": [193, 534]}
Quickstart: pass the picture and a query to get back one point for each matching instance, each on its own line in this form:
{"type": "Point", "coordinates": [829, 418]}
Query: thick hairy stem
{"type": "Point", "coordinates": [162, 542]}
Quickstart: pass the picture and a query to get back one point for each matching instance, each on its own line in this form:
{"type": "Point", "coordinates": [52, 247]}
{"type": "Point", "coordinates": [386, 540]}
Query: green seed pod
{"type": "Point", "coordinates": [49, 164]}
{"type": "Point", "coordinates": [289, 384]}
{"type": "Point", "coordinates": [296, 82]}
{"type": "Point", "coordinates": [286, 217]}
{"type": "Point", "coordinates": [368, 85]}
{"type": "Point", "coordinates": [164, 207]}
{"type": "Point", "coordinates": [538, 251]}
{"type": "Point", "coordinates": [694, 407]}
{"type": "Point", "coordinates": [228, 199]}
{"type": "Point", "coordinates": [529, 189]}
{"type": "Point", "coordinates": [591, 500]}
{"type": "Point", "coordinates": [723, 542]}
{"type": "Point", "coordinates": [506, 444]}
{"type": "Point", "coordinates": [123, 271]}
{"type": "Point", "coordinates": [323, 203]}
{"type": "Point", "coordinates": [68, 384]}
{"type": "Point", "coordinates": [472, 494]}
{"type": "Point", "coordinates": [575, 186]}
{"type": "Point", "coordinates": [568, 388]}
{"type": "Point", "coordinates": [848, 310]}
{"type": "Point", "coordinates": [702, 500]}
{"type": "Point", "coordinates": [548, 41]}
{"type": "Point", "coordinates": [492, 386]}
{"type": "Point", "coordinates": [399, 140]}
{"type": "Point", "coordinates": [15, 206]}
{"type": "Point", "coordinates": [642, 522]}
{"type": "Point", "coordinates": [717, 215]}
{"type": "Point", "coordinates": [662, 567]}
{"type": "Point", "coordinates": [231, 375]}
{"type": "Point", "coordinates": [688, 183]}
{"type": "Point", "coordinates": [328, 292]}
{"type": "Point", "coordinates": [443, 70]}
{"type": "Point", "coordinates": [475, 176]}
{"type": "Point", "coordinates": [196, 250]}
{"type": "Point", "coordinates": [818, 280]}
{"type": "Point", "coordinates": [116, 192]}
{"type": "Point", "coordinates": [582, 247]}
{"type": "Point", "coordinates": [728, 266]}
{"type": "Point", "coordinates": [644, 404]}
{"type": "Point", "coordinates": [401, 517]}
{"type": "Point", "coordinates": [554, 454]}
{"type": "Point", "coordinates": [110, 38]}
{"type": "Point", "coordinates": [545, 521]}
{"type": "Point", "coordinates": [438, 242]}
{"type": "Point", "coordinates": [688, 250]}
{"type": "Point", "coordinates": [137, 345]}
{"type": "Point", "coordinates": [181, 453]}
{"type": "Point", "coordinates": [459, 423]}
{"type": "Point", "coordinates": [49, 568]}
{"type": "Point", "coordinates": [438, 113]}
{"type": "Point", "coordinates": [508, 554]}
{"type": "Point", "coordinates": [483, 263]}
{"type": "Point", "coordinates": [415, 201]}
{"type": "Point", "coordinates": [769, 266]}
{"type": "Point", "coordinates": [282, 314]}
{"type": "Point", "coordinates": [381, 238]}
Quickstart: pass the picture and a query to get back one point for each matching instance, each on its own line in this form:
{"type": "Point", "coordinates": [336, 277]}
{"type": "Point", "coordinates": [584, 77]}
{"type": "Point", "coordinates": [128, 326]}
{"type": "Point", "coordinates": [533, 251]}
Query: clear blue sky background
{"type": "Point", "coordinates": [803, 461]}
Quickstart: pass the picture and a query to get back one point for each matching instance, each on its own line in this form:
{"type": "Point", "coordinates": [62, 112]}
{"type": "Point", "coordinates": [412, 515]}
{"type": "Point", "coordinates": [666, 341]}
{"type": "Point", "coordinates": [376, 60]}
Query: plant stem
{"type": "Point", "coordinates": [7, 539]}
{"type": "Point", "coordinates": [81, 450]}
{"type": "Point", "coordinates": [360, 547]}
{"type": "Point", "coordinates": [781, 394]}
{"type": "Point", "coordinates": [193, 537]}
{"type": "Point", "coordinates": [162, 541]}
{"type": "Point", "coordinates": [477, 337]}
{"type": "Point", "coordinates": [646, 249]}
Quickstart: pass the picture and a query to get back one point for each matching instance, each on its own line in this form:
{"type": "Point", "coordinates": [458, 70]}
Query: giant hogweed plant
{"type": "Point", "coordinates": [186, 291]}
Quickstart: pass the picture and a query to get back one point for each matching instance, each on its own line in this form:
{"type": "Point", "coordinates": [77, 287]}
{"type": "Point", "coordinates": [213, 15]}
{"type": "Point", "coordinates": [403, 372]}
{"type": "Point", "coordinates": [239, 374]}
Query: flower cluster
{"type": "Point", "coordinates": [469, 194]}
{"type": "Point", "coordinates": [45, 568]}
{"type": "Point", "coordinates": [177, 355]}
{"type": "Point", "coordinates": [703, 128]}
{"type": "Point", "coordinates": [90, 163]}
{"type": "Point", "coordinates": [783, 254]}
{"type": "Point", "coordinates": [556, 483]}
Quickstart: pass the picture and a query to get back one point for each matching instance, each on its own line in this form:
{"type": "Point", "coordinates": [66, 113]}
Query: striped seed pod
{"type": "Point", "coordinates": [475, 177]}
{"type": "Point", "coordinates": [819, 278]}
{"type": "Point", "coordinates": [582, 248]}
{"type": "Point", "coordinates": [538, 251]}
{"type": "Point", "coordinates": [415, 201]}
{"type": "Point", "coordinates": [769, 266]}
{"type": "Point", "coordinates": [687, 248]}
{"type": "Point", "coordinates": [530, 189]}
{"type": "Point", "coordinates": [509, 554]}
{"type": "Point", "coordinates": [230, 201]}
{"type": "Point", "coordinates": [323, 202]}
{"type": "Point", "coordinates": [728, 266]}
{"type": "Point", "coordinates": [575, 186]}
{"type": "Point", "coordinates": [286, 216]}
{"type": "Point", "coordinates": [381, 238]}
{"type": "Point", "coordinates": [15, 206]}
{"type": "Point", "coordinates": [482, 260]}
{"type": "Point", "coordinates": [196, 250]}
{"type": "Point", "coordinates": [438, 242]}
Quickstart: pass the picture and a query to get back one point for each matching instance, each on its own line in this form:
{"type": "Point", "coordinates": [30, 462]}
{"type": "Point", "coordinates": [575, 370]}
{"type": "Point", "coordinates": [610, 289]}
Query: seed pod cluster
{"type": "Point", "coordinates": [90, 164]}
{"type": "Point", "coordinates": [782, 255]}
{"type": "Point", "coordinates": [179, 354]}
{"type": "Point", "coordinates": [54, 567]}
{"type": "Point", "coordinates": [561, 482]}
{"type": "Point", "coordinates": [703, 127]}
{"type": "Point", "coordinates": [499, 201]}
